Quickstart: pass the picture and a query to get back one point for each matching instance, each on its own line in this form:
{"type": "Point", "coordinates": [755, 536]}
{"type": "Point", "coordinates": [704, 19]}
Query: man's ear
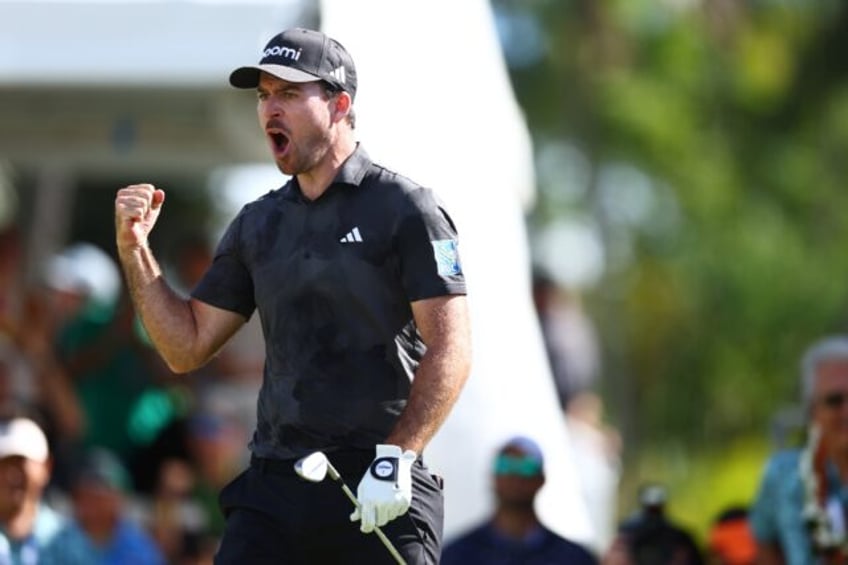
{"type": "Point", "coordinates": [342, 105]}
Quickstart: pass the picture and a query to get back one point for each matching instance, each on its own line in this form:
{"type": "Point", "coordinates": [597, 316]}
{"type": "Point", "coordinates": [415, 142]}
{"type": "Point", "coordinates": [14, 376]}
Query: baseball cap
{"type": "Point", "coordinates": [23, 437]}
{"type": "Point", "coordinates": [85, 269]}
{"type": "Point", "coordinates": [301, 55]}
{"type": "Point", "coordinates": [100, 466]}
{"type": "Point", "coordinates": [529, 463]}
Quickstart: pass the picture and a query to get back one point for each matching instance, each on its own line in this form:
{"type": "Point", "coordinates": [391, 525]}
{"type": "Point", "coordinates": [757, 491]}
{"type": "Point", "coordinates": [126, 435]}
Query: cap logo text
{"type": "Point", "coordinates": [285, 52]}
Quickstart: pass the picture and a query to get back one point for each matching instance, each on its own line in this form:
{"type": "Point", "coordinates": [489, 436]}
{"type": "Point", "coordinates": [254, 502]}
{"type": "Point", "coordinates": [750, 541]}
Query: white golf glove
{"type": "Point", "coordinates": [385, 491]}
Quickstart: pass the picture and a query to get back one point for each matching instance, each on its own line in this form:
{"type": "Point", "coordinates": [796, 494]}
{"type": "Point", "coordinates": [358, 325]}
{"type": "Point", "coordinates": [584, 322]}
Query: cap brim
{"type": "Point", "coordinates": [248, 77]}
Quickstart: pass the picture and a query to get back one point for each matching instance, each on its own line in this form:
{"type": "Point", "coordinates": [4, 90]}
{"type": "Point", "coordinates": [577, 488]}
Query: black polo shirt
{"type": "Point", "coordinates": [332, 280]}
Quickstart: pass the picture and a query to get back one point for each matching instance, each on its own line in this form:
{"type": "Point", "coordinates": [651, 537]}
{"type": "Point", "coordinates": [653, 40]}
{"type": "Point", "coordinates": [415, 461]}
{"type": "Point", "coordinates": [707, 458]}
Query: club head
{"type": "Point", "coordinates": [313, 467]}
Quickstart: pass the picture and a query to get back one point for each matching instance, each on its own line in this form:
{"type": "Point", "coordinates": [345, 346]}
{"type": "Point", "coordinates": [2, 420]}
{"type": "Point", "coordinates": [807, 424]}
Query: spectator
{"type": "Point", "coordinates": [11, 278]}
{"type": "Point", "coordinates": [177, 521]}
{"type": "Point", "coordinates": [514, 534]}
{"type": "Point", "coordinates": [29, 528]}
{"type": "Point", "coordinates": [102, 532]}
{"type": "Point", "coordinates": [731, 541]}
{"type": "Point", "coordinates": [31, 378]}
{"type": "Point", "coordinates": [569, 336]}
{"type": "Point", "coordinates": [798, 516]}
{"type": "Point", "coordinates": [186, 515]}
{"type": "Point", "coordinates": [113, 369]}
{"type": "Point", "coordinates": [649, 537]}
{"type": "Point", "coordinates": [596, 448]}
{"type": "Point", "coordinates": [215, 446]}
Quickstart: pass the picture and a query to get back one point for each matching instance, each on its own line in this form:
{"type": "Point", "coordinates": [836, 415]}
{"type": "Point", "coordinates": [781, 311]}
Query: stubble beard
{"type": "Point", "coordinates": [298, 161]}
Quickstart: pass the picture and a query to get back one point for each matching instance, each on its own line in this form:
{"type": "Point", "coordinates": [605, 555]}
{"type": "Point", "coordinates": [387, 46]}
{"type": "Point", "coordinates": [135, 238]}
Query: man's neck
{"type": "Point", "coordinates": [316, 181]}
{"type": "Point", "coordinates": [514, 523]}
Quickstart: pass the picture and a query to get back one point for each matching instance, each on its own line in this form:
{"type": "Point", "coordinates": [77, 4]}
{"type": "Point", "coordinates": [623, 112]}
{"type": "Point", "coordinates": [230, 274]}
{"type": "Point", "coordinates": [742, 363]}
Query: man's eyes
{"type": "Point", "coordinates": [287, 94]}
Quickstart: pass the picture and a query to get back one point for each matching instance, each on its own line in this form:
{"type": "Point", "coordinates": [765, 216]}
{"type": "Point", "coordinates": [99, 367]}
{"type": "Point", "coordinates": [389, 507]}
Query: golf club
{"type": "Point", "coordinates": [314, 467]}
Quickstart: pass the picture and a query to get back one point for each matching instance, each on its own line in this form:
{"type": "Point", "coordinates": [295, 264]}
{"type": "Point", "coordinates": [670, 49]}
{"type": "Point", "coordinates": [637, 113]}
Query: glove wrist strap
{"type": "Point", "coordinates": [385, 469]}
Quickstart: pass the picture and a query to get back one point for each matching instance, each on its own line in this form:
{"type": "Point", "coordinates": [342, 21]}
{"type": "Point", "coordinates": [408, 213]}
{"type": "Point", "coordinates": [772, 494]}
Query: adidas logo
{"type": "Point", "coordinates": [352, 236]}
{"type": "Point", "coordinates": [339, 74]}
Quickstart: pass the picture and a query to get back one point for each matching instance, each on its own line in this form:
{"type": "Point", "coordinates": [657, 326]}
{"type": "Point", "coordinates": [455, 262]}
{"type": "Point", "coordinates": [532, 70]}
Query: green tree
{"type": "Point", "coordinates": [730, 120]}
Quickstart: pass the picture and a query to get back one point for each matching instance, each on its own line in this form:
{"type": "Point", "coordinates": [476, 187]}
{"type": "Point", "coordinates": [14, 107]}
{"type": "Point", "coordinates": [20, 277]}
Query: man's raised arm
{"type": "Point", "coordinates": [186, 332]}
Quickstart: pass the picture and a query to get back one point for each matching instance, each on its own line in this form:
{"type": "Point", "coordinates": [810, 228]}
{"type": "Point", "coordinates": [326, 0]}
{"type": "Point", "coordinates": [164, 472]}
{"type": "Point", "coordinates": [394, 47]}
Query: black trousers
{"type": "Point", "coordinates": [275, 517]}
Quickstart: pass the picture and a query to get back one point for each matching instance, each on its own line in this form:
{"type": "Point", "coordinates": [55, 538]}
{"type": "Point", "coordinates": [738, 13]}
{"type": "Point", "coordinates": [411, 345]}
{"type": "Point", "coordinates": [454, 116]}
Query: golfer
{"type": "Point", "coordinates": [355, 273]}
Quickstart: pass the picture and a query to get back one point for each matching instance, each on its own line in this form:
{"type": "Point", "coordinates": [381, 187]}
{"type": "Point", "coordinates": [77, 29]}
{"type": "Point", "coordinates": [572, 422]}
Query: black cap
{"type": "Point", "coordinates": [301, 55]}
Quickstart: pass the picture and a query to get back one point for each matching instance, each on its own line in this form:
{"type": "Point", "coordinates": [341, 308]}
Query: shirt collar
{"type": "Point", "coordinates": [352, 172]}
{"type": "Point", "coordinates": [354, 168]}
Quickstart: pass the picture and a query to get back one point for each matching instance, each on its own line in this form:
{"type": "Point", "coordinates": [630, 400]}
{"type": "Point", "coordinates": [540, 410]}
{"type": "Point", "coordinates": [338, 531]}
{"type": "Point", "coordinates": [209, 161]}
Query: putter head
{"type": "Point", "coordinates": [313, 467]}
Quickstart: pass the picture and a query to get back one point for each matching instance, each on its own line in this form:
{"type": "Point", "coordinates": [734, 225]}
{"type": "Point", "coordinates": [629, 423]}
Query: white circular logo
{"type": "Point", "coordinates": [384, 469]}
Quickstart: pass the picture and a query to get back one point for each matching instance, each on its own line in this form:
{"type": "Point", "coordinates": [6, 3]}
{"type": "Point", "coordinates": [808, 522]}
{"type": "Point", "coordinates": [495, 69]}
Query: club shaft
{"type": "Point", "coordinates": [386, 541]}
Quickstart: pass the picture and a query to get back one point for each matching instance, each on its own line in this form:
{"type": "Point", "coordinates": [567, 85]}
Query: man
{"type": "Point", "coordinates": [514, 534]}
{"type": "Point", "coordinates": [28, 527]}
{"type": "Point", "coordinates": [102, 531]}
{"type": "Point", "coordinates": [798, 516]}
{"type": "Point", "coordinates": [651, 537]}
{"type": "Point", "coordinates": [730, 541]}
{"type": "Point", "coordinates": [355, 274]}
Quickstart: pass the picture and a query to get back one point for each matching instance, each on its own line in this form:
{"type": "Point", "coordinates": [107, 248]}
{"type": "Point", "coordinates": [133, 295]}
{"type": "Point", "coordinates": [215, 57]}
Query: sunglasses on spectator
{"type": "Point", "coordinates": [517, 466]}
{"type": "Point", "coordinates": [834, 399]}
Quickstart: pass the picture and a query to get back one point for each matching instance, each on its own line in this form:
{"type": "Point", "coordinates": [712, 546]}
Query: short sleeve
{"type": "Point", "coordinates": [428, 247]}
{"type": "Point", "coordinates": [764, 510]}
{"type": "Point", "coordinates": [228, 283]}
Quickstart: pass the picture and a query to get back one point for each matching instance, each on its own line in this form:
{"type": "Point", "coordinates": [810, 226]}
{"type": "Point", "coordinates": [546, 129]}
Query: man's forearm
{"type": "Point", "coordinates": [166, 316]}
{"type": "Point", "coordinates": [438, 382]}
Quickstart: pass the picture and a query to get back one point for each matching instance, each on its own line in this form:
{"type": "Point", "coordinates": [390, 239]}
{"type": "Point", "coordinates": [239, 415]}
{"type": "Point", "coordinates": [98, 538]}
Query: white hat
{"type": "Point", "coordinates": [23, 437]}
{"type": "Point", "coordinates": [85, 269]}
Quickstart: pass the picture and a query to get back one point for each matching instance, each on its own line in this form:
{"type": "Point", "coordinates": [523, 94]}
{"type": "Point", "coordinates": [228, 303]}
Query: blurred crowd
{"type": "Point", "coordinates": [122, 461]}
{"type": "Point", "coordinates": [628, 532]}
{"type": "Point", "coordinates": [129, 442]}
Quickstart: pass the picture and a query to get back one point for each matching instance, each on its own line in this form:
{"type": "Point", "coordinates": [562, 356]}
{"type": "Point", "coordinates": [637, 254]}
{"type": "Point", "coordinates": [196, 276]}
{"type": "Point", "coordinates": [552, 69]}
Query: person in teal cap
{"type": "Point", "coordinates": [514, 534]}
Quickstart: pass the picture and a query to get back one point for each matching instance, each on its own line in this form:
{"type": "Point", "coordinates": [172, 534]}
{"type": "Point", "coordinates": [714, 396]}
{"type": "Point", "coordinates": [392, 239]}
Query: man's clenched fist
{"type": "Point", "coordinates": [136, 209]}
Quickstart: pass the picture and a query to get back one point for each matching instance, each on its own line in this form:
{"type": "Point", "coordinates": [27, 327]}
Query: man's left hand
{"type": "Point", "coordinates": [385, 491]}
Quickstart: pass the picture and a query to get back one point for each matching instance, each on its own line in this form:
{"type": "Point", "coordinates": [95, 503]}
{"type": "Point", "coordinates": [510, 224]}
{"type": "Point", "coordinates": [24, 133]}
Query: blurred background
{"type": "Point", "coordinates": [690, 169]}
{"type": "Point", "coordinates": [684, 228]}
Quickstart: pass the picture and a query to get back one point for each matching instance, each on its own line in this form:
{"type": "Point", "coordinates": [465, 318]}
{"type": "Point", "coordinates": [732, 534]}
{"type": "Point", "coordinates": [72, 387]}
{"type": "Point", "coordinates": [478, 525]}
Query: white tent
{"type": "Point", "coordinates": [435, 103]}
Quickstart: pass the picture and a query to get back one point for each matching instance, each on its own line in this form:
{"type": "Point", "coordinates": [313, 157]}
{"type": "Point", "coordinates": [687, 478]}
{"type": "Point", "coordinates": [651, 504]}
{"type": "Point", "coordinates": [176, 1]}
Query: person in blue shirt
{"type": "Point", "coordinates": [514, 535]}
{"type": "Point", "coordinates": [798, 516]}
{"type": "Point", "coordinates": [101, 532]}
{"type": "Point", "coordinates": [28, 526]}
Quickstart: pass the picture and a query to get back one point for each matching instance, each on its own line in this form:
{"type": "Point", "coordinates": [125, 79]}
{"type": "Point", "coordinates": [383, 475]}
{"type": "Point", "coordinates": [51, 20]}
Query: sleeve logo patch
{"type": "Point", "coordinates": [447, 257]}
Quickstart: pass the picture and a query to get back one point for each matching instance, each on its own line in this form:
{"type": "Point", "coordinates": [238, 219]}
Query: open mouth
{"type": "Point", "coordinates": [279, 141]}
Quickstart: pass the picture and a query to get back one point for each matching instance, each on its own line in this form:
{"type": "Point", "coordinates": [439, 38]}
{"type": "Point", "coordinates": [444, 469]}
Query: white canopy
{"type": "Point", "coordinates": [435, 103]}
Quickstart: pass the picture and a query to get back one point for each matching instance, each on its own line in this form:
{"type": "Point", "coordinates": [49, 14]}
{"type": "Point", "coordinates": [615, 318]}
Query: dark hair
{"type": "Point", "coordinates": [331, 90]}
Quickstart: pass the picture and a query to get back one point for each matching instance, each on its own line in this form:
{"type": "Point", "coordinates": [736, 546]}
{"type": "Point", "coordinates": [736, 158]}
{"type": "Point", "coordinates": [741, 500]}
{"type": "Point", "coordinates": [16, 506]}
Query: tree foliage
{"type": "Point", "coordinates": [736, 114]}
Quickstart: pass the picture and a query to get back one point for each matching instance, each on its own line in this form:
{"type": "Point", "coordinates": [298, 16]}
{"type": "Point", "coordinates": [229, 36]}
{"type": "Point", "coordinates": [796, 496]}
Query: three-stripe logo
{"type": "Point", "coordinates": [339, 74]}
{"type": "Point", "coordinates": [353, 236]}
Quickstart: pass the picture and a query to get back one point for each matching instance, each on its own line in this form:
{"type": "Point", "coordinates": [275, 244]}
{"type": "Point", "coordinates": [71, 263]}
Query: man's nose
{"type": "Point", "coordinates": [272, 107]}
